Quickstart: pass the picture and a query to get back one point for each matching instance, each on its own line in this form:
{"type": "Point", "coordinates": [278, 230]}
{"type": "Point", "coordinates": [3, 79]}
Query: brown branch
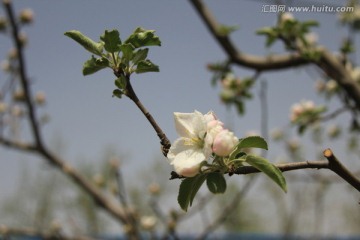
{"type": "Point", "coordinates": [328, 63]}
{"type": "Point", "coordinates": [273, 62]}
{"type": "Point", "coordinates": [130, 93]}
{"type": "Point", "coordinates": [333, 67]}
{"type": "Point", "coordinates": [284, 167]}
{"type": "Point", "coordinates": [336, 166]}
{"type": "Point", "coordinates": [18, 145]}
{"type": "Point", "coordinates": [332, 164]}
{"type": "Point", "coordinates": [22, 70]}
{"type": "Point", "coordinates": [100, 199]}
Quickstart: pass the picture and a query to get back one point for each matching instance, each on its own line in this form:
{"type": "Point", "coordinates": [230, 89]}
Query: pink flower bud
{"type": "Point", "coordinates": [224, 143]}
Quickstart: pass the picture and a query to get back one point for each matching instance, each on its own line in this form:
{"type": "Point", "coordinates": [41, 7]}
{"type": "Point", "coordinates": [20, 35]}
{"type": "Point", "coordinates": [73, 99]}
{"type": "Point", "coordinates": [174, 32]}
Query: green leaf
{"type": "Point", "coordinates": [117, 93]}
{"type": "Point", "coordinates": [94, 64]}
{"type": "Point", "coordinates": [266, 31]}
{"type": "Point", "coordinates": [248, 142]}
{"type": "Point", "coordinates": [111, 40]}
{"type": "Point", "coordinates": [188, 189]}
{"type": "Point", "coordinates": [225, 30]}
{"type": "Point", "coordinates": [269, 169]}
{"type": "Point", "coordinates": [146, 66]}
{"type": "Point", "coordinates": [121, 82]}
{"type": "Point", "coordinates": [253, 142]}
{"type": "Point", "coordinates": [85, 41]}
{"type": "Point", "coordinates": [140, 55]}
{"type": "Point", "coordinates": [127, 50]}
{"type": "Point", "coordinates": [141, 37]}
{"type": "Point", "coordinates": [216, 182]}
{"type": "Point", "coordinates": [310, 23]}
{"type": "Point", "coordinates": [270, 33]}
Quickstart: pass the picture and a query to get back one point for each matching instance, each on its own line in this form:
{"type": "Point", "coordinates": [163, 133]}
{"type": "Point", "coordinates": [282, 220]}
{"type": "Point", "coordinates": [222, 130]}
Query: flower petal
{"type": "Point", "coordinates": [187, 163]}
{"type": "Point", "coordinates": [190, 124]}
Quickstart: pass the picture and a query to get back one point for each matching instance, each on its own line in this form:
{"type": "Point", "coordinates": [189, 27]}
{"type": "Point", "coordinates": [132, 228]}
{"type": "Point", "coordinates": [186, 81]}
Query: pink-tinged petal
{"type": "Point", "coordinates": [224, 143]}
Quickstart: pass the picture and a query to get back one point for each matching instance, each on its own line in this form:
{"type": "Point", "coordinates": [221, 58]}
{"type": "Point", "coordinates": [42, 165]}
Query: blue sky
{"type": "Point", "coordinates": [85, 116]}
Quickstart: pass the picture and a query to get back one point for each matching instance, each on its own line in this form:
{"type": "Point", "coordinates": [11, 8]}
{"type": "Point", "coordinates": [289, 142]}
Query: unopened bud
{"type": "Point", "coordinates": [12, 54]}
{"type": "Point", "coordinates": [277, 134]}
{"type": "Point", "coordinates": [224, 143]}
{"type": "Point", "coordinates": [99, 180]}
{"type": "Point", "coordinates": [17, 111]}
{"type": "Point", "coordinates": [286, 17]}
{"type": "Point", "coordinates": [40, 98]}
{"type": "Point", "coordinates": [23, 38]}
{"type": "Point", "coordinates": [148, 222]}
{"type": "Point", "coordinates": [334, 131]}
{"type": "Point", "coordinates": [154, 188]}
{"type": "Point", "coordinates": [26, 16]}
{"type": "Point", "coordinates": [3, 24]}
{"type": "Point", "coordinates": [293, 145]}
{"type": "Point", "coordinates": [19, 96]}
{"type": "Point", "coordinates": [55, 226]}
{"type": "Point", "coordinates": [3, 107]}
{"type": "Point", "coordinates": [5, 65]}
{"type": "Point", "coordinates": [114, 162]}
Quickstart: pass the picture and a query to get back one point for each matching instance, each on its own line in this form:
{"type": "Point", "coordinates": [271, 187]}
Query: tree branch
{"type": "Point", "coordinates": [273, 62]}
{"type": "Point", "coordinates": [332, 164]}
{"type": "Point", "coordinates": [50, 235]}
{"type": "Point", "coordinates": [18, 145]}
{"type": "Point", "coordinates": [130, 93]}
{"type": "Point", "coordinates": [328, 63]}
{"type": "Point", "coordinates": [101, 200]}
{"type": "Point", "coordinates": [23, 77]}
{"type": "Point", "coordinates": [336, 70]}
{"type": "Point", "coordinates": [336, 166]}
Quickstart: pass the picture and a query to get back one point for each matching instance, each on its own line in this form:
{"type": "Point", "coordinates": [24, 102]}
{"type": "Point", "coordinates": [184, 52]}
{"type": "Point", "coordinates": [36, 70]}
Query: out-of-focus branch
{"type": "Point", "coordinates": [100, 199]}
{"type": "Point", "coordinates": [18, 145]}
{"type": "Point", "coordinates": [227, 210]}
{"type": "Point", "coordinates": [328, 62]}
{"type": "Point", "coordinates": [22, 71]}
{"type": "Point", "coordinates": [273, 62]}
{"type": "Point", "coordinates": [29, 232]}
{"type": "Point", "coordinates": [333, 67]}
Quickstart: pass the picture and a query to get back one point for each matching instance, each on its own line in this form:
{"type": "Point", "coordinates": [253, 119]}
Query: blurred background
{"type": "Point", "coordinates": [88, 127]}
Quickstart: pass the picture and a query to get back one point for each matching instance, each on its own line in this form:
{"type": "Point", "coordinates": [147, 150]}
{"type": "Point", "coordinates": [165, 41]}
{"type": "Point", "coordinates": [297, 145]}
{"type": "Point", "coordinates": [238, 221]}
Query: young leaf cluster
{"type": "Point", "coordinates": [214, 173]}
{"type": "Point", "coordinates": [235, 91]}
{"type": "Point", "coordinates": [293, 33]}
{"type": "Point", "coordinates": [123, 57]}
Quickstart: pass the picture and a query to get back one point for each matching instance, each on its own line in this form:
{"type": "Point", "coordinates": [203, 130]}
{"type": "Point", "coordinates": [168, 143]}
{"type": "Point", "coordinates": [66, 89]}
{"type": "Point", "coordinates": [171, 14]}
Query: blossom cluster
{"type": "Point", "coordinates": [201, 137]}
{"type": "Point", "coordinates": [305, 112]}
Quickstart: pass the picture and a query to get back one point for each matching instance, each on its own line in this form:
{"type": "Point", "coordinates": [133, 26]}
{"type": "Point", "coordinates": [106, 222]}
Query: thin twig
{"type": "Point", "coordinates": [130, 93]}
